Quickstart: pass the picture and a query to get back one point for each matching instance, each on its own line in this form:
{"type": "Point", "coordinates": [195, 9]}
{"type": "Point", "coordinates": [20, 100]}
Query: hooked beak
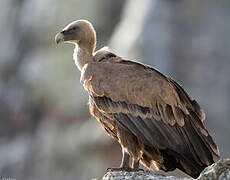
{"type": "Point", "coordinates": [59, 37]}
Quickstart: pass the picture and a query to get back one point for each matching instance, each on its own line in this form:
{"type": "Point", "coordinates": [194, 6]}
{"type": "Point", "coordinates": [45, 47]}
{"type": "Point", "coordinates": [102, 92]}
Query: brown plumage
{"type": "Point", "coordinates": [149, 114]}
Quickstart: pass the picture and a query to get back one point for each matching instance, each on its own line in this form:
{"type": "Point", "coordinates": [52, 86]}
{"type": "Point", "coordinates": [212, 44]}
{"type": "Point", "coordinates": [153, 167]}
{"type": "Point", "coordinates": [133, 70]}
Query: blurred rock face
{"type": "Point", "coordinates": [44, 111]}
{"type": "Point", "coordinates": [44, 116]}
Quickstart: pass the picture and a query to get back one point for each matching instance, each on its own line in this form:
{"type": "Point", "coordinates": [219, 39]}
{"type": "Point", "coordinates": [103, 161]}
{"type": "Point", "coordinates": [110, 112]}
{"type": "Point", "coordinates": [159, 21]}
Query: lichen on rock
{"type": "Point", "coordinates": [141, 175]}
{"type": "Point", "coordinates": [219, 170]}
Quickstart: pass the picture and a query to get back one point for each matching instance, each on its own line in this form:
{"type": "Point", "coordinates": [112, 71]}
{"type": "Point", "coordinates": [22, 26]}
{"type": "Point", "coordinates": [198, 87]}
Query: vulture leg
{"type": "Point", "coordinates": [124, 163]}
{"type": "Point", "coordinates": [135, 164]}
{"type": "Point", "coordinates": [125, 159]}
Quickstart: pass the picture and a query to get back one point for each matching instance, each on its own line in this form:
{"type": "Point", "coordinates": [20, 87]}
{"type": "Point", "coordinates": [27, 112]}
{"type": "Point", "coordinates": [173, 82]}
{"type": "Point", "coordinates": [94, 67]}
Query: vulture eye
{"type": "Point", "coordinates": [74, 28]}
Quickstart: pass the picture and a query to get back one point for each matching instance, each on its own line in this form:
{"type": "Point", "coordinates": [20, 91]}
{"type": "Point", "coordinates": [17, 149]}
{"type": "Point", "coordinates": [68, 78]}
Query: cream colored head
{"type": "Point", "coordinates": [79, 32]}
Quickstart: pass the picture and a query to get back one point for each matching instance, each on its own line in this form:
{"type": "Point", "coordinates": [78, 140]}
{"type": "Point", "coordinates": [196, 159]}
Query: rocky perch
{"type": "Point", "coordinates": [218, 171]}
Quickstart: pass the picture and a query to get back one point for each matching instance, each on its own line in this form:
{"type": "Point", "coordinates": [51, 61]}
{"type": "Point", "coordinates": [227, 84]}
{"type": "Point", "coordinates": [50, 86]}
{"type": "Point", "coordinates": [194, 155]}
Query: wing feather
{"type": "Point", "coordinates": [187, 100]}
{"type": "Point", "coordinates": [128, 125]}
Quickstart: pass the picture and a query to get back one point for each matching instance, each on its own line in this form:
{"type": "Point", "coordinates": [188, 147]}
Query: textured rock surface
{"type": "Point", "coordinates": [220, 170]}
{"type": "Point", "coordinates": [145, 175]}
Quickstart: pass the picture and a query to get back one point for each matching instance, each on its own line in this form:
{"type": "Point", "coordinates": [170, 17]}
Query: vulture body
{"type": "Point", "coordinates": [149, 114]}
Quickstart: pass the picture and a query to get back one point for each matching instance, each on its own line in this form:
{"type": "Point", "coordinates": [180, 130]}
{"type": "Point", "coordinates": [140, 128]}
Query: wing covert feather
{"type": "Point", "coordinates": [135, 83]}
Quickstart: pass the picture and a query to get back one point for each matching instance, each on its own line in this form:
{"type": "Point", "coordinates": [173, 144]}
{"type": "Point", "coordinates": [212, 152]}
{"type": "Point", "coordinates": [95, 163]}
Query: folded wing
{"type": "Point", "coordinates": [152, 107]}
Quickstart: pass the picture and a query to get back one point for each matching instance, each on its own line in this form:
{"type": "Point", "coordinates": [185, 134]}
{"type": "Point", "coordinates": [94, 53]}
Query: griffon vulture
{"type": "Point", "coordinates": [153, 118]}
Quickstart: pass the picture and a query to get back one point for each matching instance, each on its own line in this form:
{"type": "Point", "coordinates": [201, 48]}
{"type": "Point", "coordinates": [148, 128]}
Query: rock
{"type": "Point", "coordinates": [219, 170]}
{"type": "Point", "coordinates": [141, 175]}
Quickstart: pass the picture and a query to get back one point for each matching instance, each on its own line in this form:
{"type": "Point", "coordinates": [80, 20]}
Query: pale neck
{"type": "Point", "coordinates": [82, 55]}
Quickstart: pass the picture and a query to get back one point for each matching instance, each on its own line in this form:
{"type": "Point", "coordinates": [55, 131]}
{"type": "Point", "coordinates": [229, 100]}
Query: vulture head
{"type": "Point", "coordinates": [79, 32]}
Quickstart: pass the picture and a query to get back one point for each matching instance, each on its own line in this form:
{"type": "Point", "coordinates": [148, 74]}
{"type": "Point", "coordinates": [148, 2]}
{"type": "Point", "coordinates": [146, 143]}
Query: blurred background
{"type": "Point", "coordinates": [46, 131]}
